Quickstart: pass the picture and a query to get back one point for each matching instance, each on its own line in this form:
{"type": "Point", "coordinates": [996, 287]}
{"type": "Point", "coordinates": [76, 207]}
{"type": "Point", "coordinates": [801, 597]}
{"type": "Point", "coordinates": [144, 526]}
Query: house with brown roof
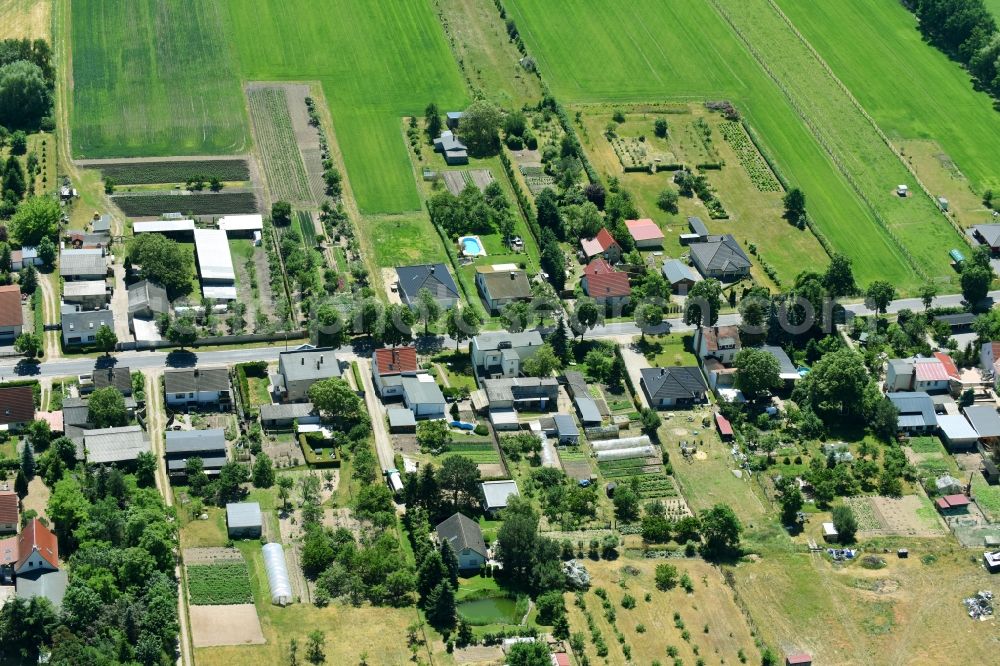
{"type": "Point", "coordinates": [11, 317]}
{"type": "Point", "coordinates": [8, 511]}
{"type": "Point", "coordinates": [604, 245]}
{"type": "Point", "coordinates": [389, 366]}
{"type": "Point", "coordinates": [604, 284]}
{"type": "Point", "coordinates": [17, 407]}
{"type": "Point", "coordinates": [719, 342]}
{"type": "Point", "coordinates": [37, 549]}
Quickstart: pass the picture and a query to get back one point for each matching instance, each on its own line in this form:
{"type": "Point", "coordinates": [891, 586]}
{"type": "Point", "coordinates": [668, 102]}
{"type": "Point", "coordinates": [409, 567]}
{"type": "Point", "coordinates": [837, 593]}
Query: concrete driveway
{"type": "Point", "coordinates": [634, 363]}
{"type": "Point", "coordinates": [383, 442]}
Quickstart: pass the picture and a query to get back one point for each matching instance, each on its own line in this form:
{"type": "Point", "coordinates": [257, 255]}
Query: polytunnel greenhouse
{"type": "Point", "coordinates": [277, 574]}
{"type": "Point", "coordinates": [622, 454]}
{"type": "Point", "coordinates": [622, 443]}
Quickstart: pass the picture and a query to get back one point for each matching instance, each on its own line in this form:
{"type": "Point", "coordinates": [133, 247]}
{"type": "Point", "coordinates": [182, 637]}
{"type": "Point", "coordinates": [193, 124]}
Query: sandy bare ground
{"type": "Point", "coordinates": [235, 624]}
{"type": "Point", "coordinates": [211, 555]}
{"type": "Point", "coordinates": [37, 497]}
{"type": "Point", "coordinates": [479, 655]}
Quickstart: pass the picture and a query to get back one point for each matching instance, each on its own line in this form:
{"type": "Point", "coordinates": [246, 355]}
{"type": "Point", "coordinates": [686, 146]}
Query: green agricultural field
{"type": "Point", "coordinates": [635, 64]}
{"type": "Point", "coordinates": [913, 90]}
{"type": "Point", "coordinates": [153, 78]}
{"type": "Point", "coordinates": [272, 125]}
{"type": "Point", "coordinates": [219, 584]}
{"type": "Point", "coordinates": [175, 171]}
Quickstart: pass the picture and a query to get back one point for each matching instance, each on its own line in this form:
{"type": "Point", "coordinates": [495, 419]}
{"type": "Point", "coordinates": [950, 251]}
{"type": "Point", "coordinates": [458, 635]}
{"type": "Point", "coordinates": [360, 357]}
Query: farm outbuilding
{"type": "Point", "coordinates": [277, 574]}
{"type": "Point", "coordinates": [243, 520]}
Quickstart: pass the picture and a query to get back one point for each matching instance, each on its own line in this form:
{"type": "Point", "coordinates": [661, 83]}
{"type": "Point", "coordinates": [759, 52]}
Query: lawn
{"type": "Point", "coordinates": [203, 533]}
{"type": "Point", "coordinates": [153, 78]}
{"type": "Point", "coordinates": [404, 240]}
{"type": "Point", "coordinates": [634, 64]}
{"type": "Point", "coordinates": [210, 584]}
{"type": "Point", "coordinates": [911, 88]}
{"type": "Point", "coordinates": [667, 350]}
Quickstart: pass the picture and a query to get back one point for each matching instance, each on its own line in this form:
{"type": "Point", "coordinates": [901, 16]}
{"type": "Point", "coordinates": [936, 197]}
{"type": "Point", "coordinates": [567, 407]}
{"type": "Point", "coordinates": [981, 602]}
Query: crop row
{"type": "Point", "coordinates": [212, 584]}
{"type": "Point", "coordinates": [627, 462]}
{"type": "Point", "coordinates": [482, 457]}
{"type": "Point", "coordinates": [760, 173]}
{"type": "Point", "coordinates": [209, 203]}
{"type": "Point", "coordinates": [145, 173]}
{"type": "Point", "coordinates": [286, 174]}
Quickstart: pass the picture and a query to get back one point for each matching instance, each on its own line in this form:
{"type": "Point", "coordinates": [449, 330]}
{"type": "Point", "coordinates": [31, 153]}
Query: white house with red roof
{"type": "Point", "coordinates": [604, 284]}
{"type": "Point", "coordinates": [931, 374]}
{"type": "Point", "coordinates": [604, 245]}
{"type": "Point", "coordinates": [389, 365]}
{"type": "Point", "coordinates": [645, 233]}
{"type": "Point", "coordinates": [37, 549]}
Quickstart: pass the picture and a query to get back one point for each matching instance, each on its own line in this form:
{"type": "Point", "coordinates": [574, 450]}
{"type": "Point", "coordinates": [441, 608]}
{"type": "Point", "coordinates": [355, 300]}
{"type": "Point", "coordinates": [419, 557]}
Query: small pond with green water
{"type": "Point", "coordinates": [491, 610]}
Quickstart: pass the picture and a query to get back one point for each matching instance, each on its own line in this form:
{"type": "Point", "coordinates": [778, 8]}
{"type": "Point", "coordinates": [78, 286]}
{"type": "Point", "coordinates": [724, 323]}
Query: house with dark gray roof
{"type": "Point", "coordinates": [80, 327]}
{"type": "Point", "coordinates": [503, 285]}
{"type": "Point", "coordinates": [105, 446]}
{"type": "Point", "coordinates": [301, 368]}
{"type": "Point", "coordinates": [119, 377]}
{"type": "Point", "coordinates": [675, 386]}
{"type": "Point", "coordinates": [201, 387]}
{"type": "Point", "coordinates": [466, 539]}
{"type": "Point", "coordinates": [83, 265]}
{"type": "Point", "coordinates": [720, 257]}
{"type": "Point", "coordinates": [989, 235]}
{"type": "Point", "coordinates": [284, 415]}
{"type": "Point", "coordinates": [449, 145]}
{"type": "Point", "coordinates": [182, 445]}
{"type": "Point", "coordinates": [916, 411]}
{"type": "Point", "coordinates": [679, 276]}
{"type": "Point", "coordinates": [433, 277]}
{"type": "Point", "coordinates": [147, 299]}
{"type": "Point", "coordinates": [522, 393]}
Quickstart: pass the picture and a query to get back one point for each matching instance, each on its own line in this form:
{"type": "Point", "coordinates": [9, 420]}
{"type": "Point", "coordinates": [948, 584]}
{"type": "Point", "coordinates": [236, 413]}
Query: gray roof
{"type": "Point", "coordinates": [674, 382]}
{"type": "Point", "coordinates": [120, 378]}
{"type": "Point", "coordinates": [191, 441]}
{"type": "Point", "coordinates": [101, 224]}
{"type": "Point", "coordinates": [292, 410]}
{"type": "Point", "coordinates": [448, 142]}
{"type": "Point", "coordinates": [497, 492]}
{"type": "Point", "coordinates": [422, 390]}
{"type": "Point", "coordinates": [697, 226]}
{"type": "Point", "coordinates": [989, 232]}
{"type": "Point", "coordinates": [509, 388]}
{"type": "Point", "coordinates": [902, 367]}
{"type": "Point", "coordinates": [505, 284]}
{"type": "Point", "coordinates": [145, 294]}
{"type": "Point", "coordinates": [462, 533]}
{"type": "Point", "coordinates": [676, 271]}
{"type": "Point", "coordinates": [720, 254]}
{"type": "Point", "coordinates": [496, 339]}
{"type": "Point", "coordinates": [81, 262]}
{"type": "Point", "coordinates": [400, 417]}
{"type": "Point", "coordinates": [74, 412]}
{"type": "Point", "coordinates": [191, 380]}
{"type": "Point", "coordinates": [210, 464]}
{"type": "Point", "coordinates": [49, 584]}
{"type": "Point", "coordinates": [587, 408]}
{"type": "Point", "coordinates": [959, 319]}
{"type": "Point", "coordinates": [785, 365]}
{"type": "Point", "coordinates": [955, 427]}
{"type": "Point", "coordinates": [86, 321]}
{"type": "Point", "coordinates": [84, 288]}
{"type": "Point", "coordinates": [309, 364]}
{"type": "Point", "coordinates": [433, 277]}
{"type": "Point", "coordinates": [243, 514]}
{"type": "Point", "coordinates": [110, 445]}
{"type": "Point", "coordinates": [566, 425]}
{"type": "Point", "coordinates": [985, 419]}
{"type": "Point", "coordinates": [915, 409]}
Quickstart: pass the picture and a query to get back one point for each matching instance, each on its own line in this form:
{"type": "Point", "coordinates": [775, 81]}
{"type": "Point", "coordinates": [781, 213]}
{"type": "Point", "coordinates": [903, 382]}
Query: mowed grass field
{"type": "Point", "coordinates": [29, 19]}
{"type": "Point", "coordinates": [911, 89]}
{"type": "Point", "coordinates": [153, 78]}
{"type": "Point", "coordinates": [634, 53]}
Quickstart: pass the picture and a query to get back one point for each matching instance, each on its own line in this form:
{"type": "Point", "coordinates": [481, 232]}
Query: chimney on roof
{"type": "Point", "coordinates": [302, 360]}
{"type": "Point", "coordinates": [663, 371]}
{"type": "Point", "coordinates": [432, 268]}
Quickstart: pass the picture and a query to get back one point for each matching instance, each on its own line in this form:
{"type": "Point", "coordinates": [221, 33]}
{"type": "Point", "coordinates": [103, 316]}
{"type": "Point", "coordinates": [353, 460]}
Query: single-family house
{"type": "Point", "coordinates": [679, 276]}
{"type": "Point", "coordinates": [301, 368]}
{"type": "Point", "coordinates": [601, 245]}
{"type": "Point", "coordinates": [957, 433]}
{"type": "Point", "coordinates": [147, 299]}
{"type": "Point", "coordinates": [80, 327]}
{"type": "Point", "coordinates": [37, 549]}
{"type": "Point", "coordinates": [916, 412]}
{"type": "Point", "coordinates": [84, 265]}
{"type": "Point", "coordinates": [607, 286]}
{"type": "Point", "coordinates": [466, 539]}
{"type": "Point", "coordinates": [988, 235]}
{"type": "Point", "coordinates": [423, 397]}
{"type": "Point", "coordinates": [26, 256]}
{"type": "Point", "coordinates": [645, 233]}
{"type": "Point", "coordinates": [119, 377]}
{"type": "Point", "coordinates": [719, 342]}
{"type": "Point", "coordinates": [502, 284]}
{"type": "Point", "coordinates": [182, 445]}
{"type": "Point", "coordinates": [105, 446]}
{"type": "Point", "coordinates": [496, 495]}
{"type": "Point", "coordinates": [9, 511]}
{"type": "Point", "coordinates": [284, 415]}
{"type": "Point", "coordinates": [389, 366]}
{"type": "Point", "coordinates": [501, 353]}
{"type": "Point", "coordinates": [33, 558]}
{"type": "Point", "coordinates": [200, 387]}
{"type": "Point", "coordinates": [537, 394]}
{"type": "Point", "coordinates": [675, 386]}
{"type": "Point", "coordinates": [433, 277]}
{"type": "Point", "coordinates": [243, 520]}
{"type": "Point", "coordinates": [11, 316]}
{"type": "Point", "coordinates": [720, 257]}
{"type": "Point", "coordinates": [932, 374]}
{"type": "Point", "coordinates": [451, 147]}
{"type": "Point", "coordinates": [87, 294]}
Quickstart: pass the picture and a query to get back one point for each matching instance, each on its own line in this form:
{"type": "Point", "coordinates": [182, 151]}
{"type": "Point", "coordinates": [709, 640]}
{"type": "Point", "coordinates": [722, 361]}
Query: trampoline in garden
{"type": "Point", "coordinates": [277, 574]}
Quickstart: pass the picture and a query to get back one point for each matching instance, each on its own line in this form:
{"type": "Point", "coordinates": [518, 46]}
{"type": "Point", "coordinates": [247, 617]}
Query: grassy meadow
{"type": "Point", "coordinates": [633, 64]}
{"type": "Point", "coordinates": [913, 90]}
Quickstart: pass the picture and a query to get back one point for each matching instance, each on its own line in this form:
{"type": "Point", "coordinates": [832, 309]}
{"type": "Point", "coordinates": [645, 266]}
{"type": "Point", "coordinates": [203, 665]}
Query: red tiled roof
{"type": "Point", "coordinates": [598, 244]}
{"type": "Point", "coordinates": [713, 334]}
{"type": "Point", "coordinates": [8, 507]}
{"type": "Point", "coordinates": [10, 306]}
{"type": "Point", "coordinates": [798, 659]}
{"type": "Point", "coordinates": [604, 281]}
{"type": "Point", "coordinates": [17, 404]}
{"type": "Point", "coordinates": [725, 428]}
{"type": "Point", "coordinates": [561, 659]}
{"type": "Point", "coordinates": [36, 536]}
{"type": "Point", "coordinates": [948, 363]}
{"type": "Point", "coordinates": [955, 501]}
{"type": "Point", "coordinates": [396, 360]}
{"type": "Point", "coordinates": [644, 229]}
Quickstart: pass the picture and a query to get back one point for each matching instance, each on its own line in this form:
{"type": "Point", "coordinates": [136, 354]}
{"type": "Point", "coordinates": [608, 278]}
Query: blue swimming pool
{"type": "Point", "coordinates": [472, 246]}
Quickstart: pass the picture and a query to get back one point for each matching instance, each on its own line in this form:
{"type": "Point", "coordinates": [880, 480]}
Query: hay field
{"type": "Point", "coordinates": [635, 64]}
{"type": "Point", "coordinates": [153, 78]}
{"type": "Point", "coordinates": [31, 19]}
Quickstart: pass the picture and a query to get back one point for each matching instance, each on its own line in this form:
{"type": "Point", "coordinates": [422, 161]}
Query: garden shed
{"type": "Point", "coordinates": [277, 574]}
{"type": "Point", "coordinates": [243, 520]}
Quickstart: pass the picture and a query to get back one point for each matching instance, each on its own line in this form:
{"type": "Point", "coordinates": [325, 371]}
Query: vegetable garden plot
{"type": "Point", "coordinates": [128, 172]}
{"type": "Point", "coordinates": [211, 584]}
{"type": "Point", "coordinates": [760, 173]}
{"type": "Point", "coordinates": [279, 150]}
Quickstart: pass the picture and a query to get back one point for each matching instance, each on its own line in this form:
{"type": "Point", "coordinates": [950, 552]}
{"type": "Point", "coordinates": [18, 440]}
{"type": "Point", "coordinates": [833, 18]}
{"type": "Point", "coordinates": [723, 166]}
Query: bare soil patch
{"type": "Point", "coordinates": [211, 555]}
{"type": "Point", "coordinates": [896, 516]}
{"type": "Point", "coordinates": [235, 624]}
